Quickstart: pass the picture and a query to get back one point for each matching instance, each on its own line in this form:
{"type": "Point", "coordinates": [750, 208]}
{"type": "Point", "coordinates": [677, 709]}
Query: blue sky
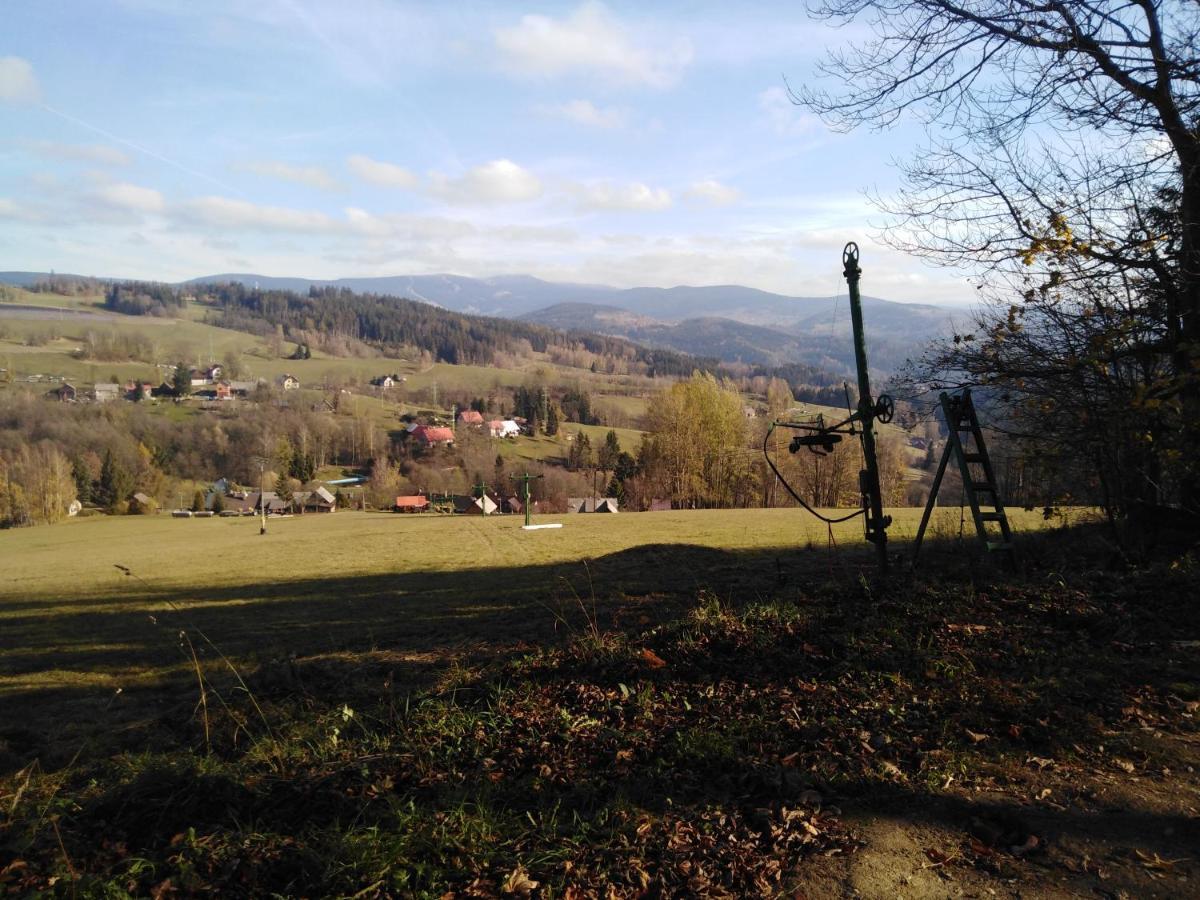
{"type": "Point", "coordinates": [624, 144]}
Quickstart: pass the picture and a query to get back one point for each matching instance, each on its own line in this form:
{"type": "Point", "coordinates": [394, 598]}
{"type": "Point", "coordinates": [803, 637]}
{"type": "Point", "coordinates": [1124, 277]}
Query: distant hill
{"type": "Point", "coordinates": [895, 332]}
{"type": "Point", "coordinates": [731, 322]}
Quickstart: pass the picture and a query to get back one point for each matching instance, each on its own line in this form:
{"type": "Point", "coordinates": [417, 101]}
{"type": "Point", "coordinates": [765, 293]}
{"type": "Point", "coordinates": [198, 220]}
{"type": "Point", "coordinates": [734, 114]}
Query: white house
{"type": "Point", "coordinates": [504, 428]}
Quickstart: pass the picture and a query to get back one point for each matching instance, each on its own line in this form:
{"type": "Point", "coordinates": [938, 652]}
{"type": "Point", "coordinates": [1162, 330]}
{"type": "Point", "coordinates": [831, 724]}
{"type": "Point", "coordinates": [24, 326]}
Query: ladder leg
{"type": "Point", "coordinates": [929, 504]}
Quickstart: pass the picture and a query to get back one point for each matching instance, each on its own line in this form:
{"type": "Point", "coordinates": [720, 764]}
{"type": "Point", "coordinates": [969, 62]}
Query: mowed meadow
{"type": "Point", "coordinates": [92, 651]}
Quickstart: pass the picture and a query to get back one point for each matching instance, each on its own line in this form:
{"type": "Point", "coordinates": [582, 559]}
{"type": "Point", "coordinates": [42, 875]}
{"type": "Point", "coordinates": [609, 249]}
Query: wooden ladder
{"type": "Point", "coordinates": [978, 478]}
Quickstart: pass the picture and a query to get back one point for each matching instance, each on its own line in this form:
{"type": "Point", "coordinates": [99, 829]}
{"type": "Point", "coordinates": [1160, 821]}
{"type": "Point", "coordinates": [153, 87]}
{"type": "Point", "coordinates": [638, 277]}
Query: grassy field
{"type": "Point", "coordinates": [677, 704]}
{"type": "Point", "coordinates": [76, 629]}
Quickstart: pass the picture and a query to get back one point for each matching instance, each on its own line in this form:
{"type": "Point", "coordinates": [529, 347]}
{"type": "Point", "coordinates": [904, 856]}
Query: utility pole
{"type": "Point", "coordinates": [876, 521]}
{"type": "Point", "coordinates": [526, 478]}
{"type": "Point", "coordinates": [262, 500]}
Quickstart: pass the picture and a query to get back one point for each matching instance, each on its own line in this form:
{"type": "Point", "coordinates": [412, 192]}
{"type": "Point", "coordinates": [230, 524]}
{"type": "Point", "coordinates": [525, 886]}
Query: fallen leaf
{"type": "Point", "coordinates": [975, 736]}
{"type": "Point", "coordinates": [624, 756]}
{"type": "Point", "coordinates": [652, 659]}
{"type": "Point", "coordinates": [1124, 765]}
{"type": "Point", "coordinates": [519, 882]}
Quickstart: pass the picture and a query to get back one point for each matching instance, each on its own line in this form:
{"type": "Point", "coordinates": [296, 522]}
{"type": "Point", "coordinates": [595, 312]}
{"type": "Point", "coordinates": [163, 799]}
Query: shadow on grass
{"type": "Point", "coordinates": [107, 671]}
{"type": "Point", "coordinates": [865, 692]}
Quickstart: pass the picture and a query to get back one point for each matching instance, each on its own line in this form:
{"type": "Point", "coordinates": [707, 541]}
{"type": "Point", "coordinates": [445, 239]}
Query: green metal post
{"type": "Point", "coordinates": [877, 523]}
{"type": "Point", "coordinates": [526, 478]}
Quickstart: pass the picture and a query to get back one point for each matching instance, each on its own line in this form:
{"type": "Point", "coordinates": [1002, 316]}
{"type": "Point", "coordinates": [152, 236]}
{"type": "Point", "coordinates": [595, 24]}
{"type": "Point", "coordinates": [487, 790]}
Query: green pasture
{"type": "Point", "coordinates": [86, 644]}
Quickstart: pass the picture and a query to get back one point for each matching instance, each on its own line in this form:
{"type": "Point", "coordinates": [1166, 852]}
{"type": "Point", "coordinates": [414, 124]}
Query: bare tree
{"type": "Point", "coordinates": [1064, 170]}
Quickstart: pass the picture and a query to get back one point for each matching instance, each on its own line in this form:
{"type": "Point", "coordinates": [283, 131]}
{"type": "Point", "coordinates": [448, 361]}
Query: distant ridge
{"type": "Point", "coordinates": [732, 322]}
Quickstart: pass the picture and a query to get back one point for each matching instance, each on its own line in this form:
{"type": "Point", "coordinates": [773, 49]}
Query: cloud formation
{"type": "Point", "coordinates": [309, 176]}
{"type": "Point", "coordinates": [129, 197]}
{"type": "Point", "coordinates": [584, 112]}
{"type": "Point", "coordinates": [17, 81]}
{"type": "Point", "coordinates": [101, 154]}
{"type": "Point", "coordinates": [713, 192]}
{"type": "Point", "coordinates": [499, 181]}
{"type": "Point", "coordinates": [591, 41]}
{"type": "Point", "coordinates": [605, 195]}
{"type": "Point", "coordinates": [384, 174]}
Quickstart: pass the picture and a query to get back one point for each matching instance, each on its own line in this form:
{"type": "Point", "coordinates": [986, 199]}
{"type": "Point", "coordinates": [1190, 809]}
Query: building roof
{"type": "Point", "coordinates": [142, 498]}
{"type": "Point", "coordinates": [434, 434]}
{"type": "Point", "coordinates": [592, 504]}
{"type": "Point", "coordinates": [470, 417]}
{"type": "Point", "coordinates": [416, 501]}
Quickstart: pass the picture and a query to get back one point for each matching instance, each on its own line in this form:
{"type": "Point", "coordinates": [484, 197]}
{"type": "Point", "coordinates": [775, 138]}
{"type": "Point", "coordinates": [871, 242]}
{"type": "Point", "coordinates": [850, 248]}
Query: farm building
{"type": "Point", "coordinates": [432, 435]}
{"type": "Point", "coordinates": [106, 391]}
{"type": "Point", "coordinates": [318, 501]}
{"type": "Point", "coordinates": [658, 504]}
{"type": "Point", "coordinates": [504, 428]}
{"type": "Point", "coordinates": [138, 390]}
{"type": "Point", "coordinates": [288, 382]}
{"type": "Point", "coordinates": [412, 503]}
{"type": "Point", "coordinates": [470, 417]}
{"type": "Point", "coordinates": [64, 392]}
{"type": "Point", "coordinates": [592, 505]}
{"type": "Point", "coordinates": [386, 382]}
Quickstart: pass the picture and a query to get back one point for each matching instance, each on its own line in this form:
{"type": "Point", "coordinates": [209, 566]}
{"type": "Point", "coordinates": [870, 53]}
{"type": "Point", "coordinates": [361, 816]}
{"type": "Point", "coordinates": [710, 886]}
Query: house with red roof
{"type": "Point", "coordinates": [471, 417]}
{"type": "Point", "coordinates": [433, 435]}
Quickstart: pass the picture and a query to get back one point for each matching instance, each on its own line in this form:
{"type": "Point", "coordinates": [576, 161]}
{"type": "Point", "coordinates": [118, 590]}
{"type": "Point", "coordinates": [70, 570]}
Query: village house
{"type": "Point", "coordinates": [242, 388]}
{"type": "Point", "coordinates": [592, 505]}
{"type": "Point", "coordinates": [288, 382]}
{"type": "Point", "coordinates": [106, 392]}
{"type": "Point", "coordinates": [467, 505]}
{"type": "Point", "coordinates": [202, 377]}
{"type": "Point", "coordinates": [224, 391]}
{"type": "Point", "coordinates": [385, 382]}
{"type": "Point", "coordinates": [502, 428]}
{"type": "Point", "coordinates": [432, 435]}
{"type": "Point", "coordinates": [138, 390]}
{"type": "Point", "coordinates": [65, 393]}
{"type": "Point", "coordinates": [318, 500]}
{"type": "Point", "coordinates": [471, 417]}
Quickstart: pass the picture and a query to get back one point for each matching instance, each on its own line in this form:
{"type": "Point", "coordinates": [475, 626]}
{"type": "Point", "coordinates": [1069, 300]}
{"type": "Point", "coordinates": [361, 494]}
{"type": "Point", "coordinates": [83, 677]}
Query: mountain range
{"type": "Point", "coordinates": [732, 322]}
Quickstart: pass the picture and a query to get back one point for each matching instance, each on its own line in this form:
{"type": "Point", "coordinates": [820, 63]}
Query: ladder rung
{"type": "Point", "coordinates": [991, 517]}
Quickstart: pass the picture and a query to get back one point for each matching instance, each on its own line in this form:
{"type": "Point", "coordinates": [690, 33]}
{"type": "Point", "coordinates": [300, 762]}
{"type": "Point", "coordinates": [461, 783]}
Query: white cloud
{"type": "Point", "coordinates": [384, 174]}
{"type": "Point", "coordinates": [17, 81]}
{"type": "Point", "coordinates": [785, 116]}
{"type": "Point", "coordinates": [635, 196]}
{"type": "Point", "coordinates": [713, 192]}
{"type": "Point", "coordinates": [591, 40]}
{"type": "Point", "coordinates": [584, 112]}
{"type": "Point", "coordinates": [499, 181]}
{"type": "Point", "coordinates": [224, 212]}
{"type": "Point", "coordinates": [131, 197]}
{"type": "Point", "coordinates": [102, 154]}
{"type": "Point", "coordinates": [310, 176]}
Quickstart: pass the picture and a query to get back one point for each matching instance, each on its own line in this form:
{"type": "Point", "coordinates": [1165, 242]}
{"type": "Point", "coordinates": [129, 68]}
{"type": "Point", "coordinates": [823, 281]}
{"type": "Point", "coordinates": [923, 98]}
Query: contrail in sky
{"type": "Point", "coordinates": [140, 149]}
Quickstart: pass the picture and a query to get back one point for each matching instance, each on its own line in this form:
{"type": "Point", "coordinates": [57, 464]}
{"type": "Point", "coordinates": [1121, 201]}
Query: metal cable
{"type": "Point", "coordinates": [790, 490]}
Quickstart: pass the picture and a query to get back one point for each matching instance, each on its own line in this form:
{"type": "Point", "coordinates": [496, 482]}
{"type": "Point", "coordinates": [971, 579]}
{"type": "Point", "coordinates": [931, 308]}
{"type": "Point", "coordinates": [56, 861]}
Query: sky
{"type": "Point", "coordinates": [610, 143]}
